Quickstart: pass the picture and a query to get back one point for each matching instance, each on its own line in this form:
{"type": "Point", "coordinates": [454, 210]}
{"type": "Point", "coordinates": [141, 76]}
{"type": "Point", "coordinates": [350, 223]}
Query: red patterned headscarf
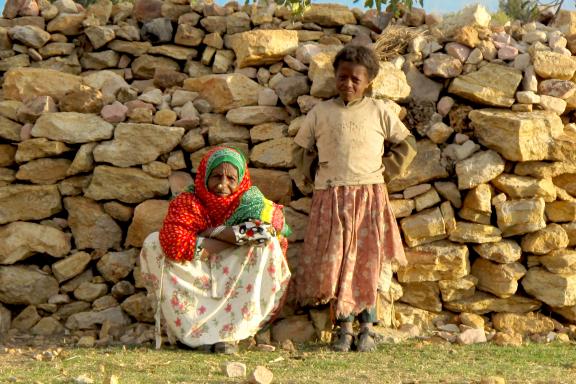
{"type": "Point", "coordinates": [190, 213]}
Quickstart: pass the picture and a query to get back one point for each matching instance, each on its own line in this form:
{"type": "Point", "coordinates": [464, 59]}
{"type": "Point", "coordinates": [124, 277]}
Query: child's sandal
{"type": "Point", "coordinates": [344, 341]}
{"type": "Point", "coordinates": [366, 341]}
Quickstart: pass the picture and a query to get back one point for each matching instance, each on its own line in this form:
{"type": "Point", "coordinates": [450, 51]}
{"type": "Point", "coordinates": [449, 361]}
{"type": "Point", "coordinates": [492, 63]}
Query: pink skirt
{"type": "Point", "coordinates": [351, 233]}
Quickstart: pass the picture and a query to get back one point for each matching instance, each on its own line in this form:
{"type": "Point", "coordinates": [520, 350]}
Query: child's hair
{"type": "Point", "coordinates": [359, 54]}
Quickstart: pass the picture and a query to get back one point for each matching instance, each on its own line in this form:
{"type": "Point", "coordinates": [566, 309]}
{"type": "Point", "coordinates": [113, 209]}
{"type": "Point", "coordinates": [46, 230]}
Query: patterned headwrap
{"type": "Point", "coordinates": [225, 155]}
{"type": "Point", "coordinates": [198, 209]}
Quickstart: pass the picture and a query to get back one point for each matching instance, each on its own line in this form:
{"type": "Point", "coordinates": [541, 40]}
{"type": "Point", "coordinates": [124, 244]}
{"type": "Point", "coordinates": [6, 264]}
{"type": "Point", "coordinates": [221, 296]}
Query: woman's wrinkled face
{"type": "Point", "coordinates": [223, 180]}
{"type": "Point", "coordinates": [352, 80]}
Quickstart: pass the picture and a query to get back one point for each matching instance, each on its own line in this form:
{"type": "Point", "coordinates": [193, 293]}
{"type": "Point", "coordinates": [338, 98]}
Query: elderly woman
{"type": "Point", "coordinates": [217, 266]}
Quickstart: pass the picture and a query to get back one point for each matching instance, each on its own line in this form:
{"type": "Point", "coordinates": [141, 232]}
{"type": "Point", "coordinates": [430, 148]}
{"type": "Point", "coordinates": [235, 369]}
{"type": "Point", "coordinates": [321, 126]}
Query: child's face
{"type": "Point", "coordinates": [352, 80]}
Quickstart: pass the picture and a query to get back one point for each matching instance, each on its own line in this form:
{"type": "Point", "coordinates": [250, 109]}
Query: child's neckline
{"type": "Point", "coordinates": [352, 103]}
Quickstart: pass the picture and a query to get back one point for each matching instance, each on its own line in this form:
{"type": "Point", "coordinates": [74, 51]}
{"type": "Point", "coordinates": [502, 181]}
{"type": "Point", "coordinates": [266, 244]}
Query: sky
{"type": "Point", "coordinates": [439, 6]}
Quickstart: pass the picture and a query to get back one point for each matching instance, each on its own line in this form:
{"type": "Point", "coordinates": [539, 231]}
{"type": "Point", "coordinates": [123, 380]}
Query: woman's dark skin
{"type": "Point", "coordinates": [223, 181]}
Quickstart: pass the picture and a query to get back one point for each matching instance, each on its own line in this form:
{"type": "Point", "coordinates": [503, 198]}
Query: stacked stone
{"type": "Point", "coordinates": [107, 110]}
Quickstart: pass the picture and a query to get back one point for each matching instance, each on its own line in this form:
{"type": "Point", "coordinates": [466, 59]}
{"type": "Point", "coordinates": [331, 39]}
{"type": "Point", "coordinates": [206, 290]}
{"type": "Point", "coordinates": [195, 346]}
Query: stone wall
{"type": "Point", "coordinates": [106, 110]}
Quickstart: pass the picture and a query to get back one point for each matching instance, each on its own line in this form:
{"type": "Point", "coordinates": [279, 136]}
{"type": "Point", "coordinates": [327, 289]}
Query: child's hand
{"type": "Point", "coordinates": [253, 232]}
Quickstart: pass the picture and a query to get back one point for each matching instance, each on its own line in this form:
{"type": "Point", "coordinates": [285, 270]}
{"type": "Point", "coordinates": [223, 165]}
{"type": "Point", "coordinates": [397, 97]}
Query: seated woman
{"type": "Point", "coordinates": [217, 267]}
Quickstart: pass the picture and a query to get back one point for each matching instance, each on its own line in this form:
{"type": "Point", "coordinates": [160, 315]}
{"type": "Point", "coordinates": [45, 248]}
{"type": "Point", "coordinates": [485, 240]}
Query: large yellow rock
{"type": "Point", "coordinates": [129, 185]}
{"type": "Point", "coordinates": [458, 289]}
{"type": "Point", "coordinates": [148, 218]}
{"type": "Point", "coordinates": [517, 217]}
{"type": "Point", "coordinates": [560, 261]}
{"type": "Point", "coordinates": [499, 279]}
{"type": "Point", "coordinates": [553, 65]}
{"type": "Point", "coordinates": [561, 211]}
{"type": "Point", "coordinates": [504, 251]}
{"type": "Point", "coordinates": [275, 153]}
{"type": "Point", "coordinates": [493, 85]}
{"type": "Point", "coordinates": [424, 295]}
{"type": "Point", "coordinates": [521, 187]}
{"type": "Point", "coordinates": [91, 226]}
{"type": "Point", "coordinates": [546, 240]}
{"type": "Point", "coordinates": [135, 144]}
{"type": "Point", "coordinates": [423, 319]}
{"type": "Point", "coordinates": [321, 73]}
{"type": "Point", "coordinates": [275, 185]}
{"type": "Point", "coordinates": [225, 92]}
{"type": "Point", "coordinates": [27, 83]}
{"type": "Point", "coordinates": [28, 202]}
{"type": "Point", "coordinates": [475, 233]}
{"type": "Point", "coordinates": [477, 205]}
{"type": "Point", "coordinates": [556, 290]}
{"type": "Point", "coordinates": [36, 148]}
{"type": "Point", "coordinates": [72, 127]}
{"type": "Point", "coordinates": [44, 171]}
{"type": "Point", "coordinates": [390, 83]}
{"type": "Point", "coordinates": [425, 167]}
{"type": "Point", "coordinates": [523, 323]}
{"type": "Point", "coordinates": [483, 302]}
{"type": "Point", "coordinates": [424, 227]}
{"type": "Point", "coordinates": [20, 240]}
{"type": "Point", "coordinates": [440, 260]}
{"type": "Point", "coordinates": [478, 169]}
{"type": "Point", "coordinates": [520, 136]}
{"type": "Point", "coordinates": [263, 46]}
{"type": "Point", "coordinates": [565, 21]}
{"type": "Point", "coordinates": [329, 15]}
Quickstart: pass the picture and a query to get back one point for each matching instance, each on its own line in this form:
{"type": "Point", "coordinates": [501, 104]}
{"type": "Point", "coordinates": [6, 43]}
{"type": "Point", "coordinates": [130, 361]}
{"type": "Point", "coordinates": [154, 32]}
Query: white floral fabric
{"type": "Point", "coordinates": [226, 298]}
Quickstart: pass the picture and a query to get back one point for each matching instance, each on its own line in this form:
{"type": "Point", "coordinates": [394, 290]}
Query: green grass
{"type": "Point", "coordinates": [410, 362]}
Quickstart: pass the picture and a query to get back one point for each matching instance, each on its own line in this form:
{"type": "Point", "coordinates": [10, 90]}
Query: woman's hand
{"type": "Point", "coordinates": [221, 233]}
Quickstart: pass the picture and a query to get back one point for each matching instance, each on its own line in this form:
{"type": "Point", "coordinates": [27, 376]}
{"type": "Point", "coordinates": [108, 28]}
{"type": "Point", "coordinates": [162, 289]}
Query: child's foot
{"type": "Point", "coordinates": [225, 348]}
{"type": "Point", "coordinates": [344, 341]}
{"type": "Point", "coordinates": [366, 341]}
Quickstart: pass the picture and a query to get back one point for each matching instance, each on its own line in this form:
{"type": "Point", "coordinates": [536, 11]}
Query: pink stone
{"type": "Point", "coordinates": [11, 8]}
{"type": "Point", "coordinates": [472, 336]}
{"type": "Point", "coordinates": [445, 105]}
{"type": "Point", "coordinates": [179, 181]}
{"type": "Point", "coordinates": [29, 8]}
{"type": "Point", "coordinates": [503, 38]}
{"type": "Point", "coordinates": [133, 104]}
{"type": "Point", "coordinates": [114, 113]}
{"type": "Point", "coordinates": [187, 123]}
{"type": "Point", "coordinates": [146, 10]}
{"type": "Point", "coordinates": [507, 52]}
{"type": "Point", "coordinates": [25, 132]}
{"type": "Point", "coordinates": [459, 51]}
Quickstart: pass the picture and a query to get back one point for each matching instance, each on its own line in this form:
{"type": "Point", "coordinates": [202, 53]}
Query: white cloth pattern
{"type": "Point", "coordinates": [226, 299]}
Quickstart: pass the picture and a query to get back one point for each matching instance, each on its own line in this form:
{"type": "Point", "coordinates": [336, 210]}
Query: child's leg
{"type": "Point", "coordinates": [366, 341]}
{"type": "Point", "coordinates": [345, 335]}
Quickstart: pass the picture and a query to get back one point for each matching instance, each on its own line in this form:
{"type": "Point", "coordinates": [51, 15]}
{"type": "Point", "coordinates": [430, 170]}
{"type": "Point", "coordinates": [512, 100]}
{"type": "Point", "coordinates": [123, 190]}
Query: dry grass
{"type": "Point", "coordinates": [394, 41]}
{"type": "Point", "coordinates": [411, 362]}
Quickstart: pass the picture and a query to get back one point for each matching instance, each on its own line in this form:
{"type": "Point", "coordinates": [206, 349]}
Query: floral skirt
{"type": "Point", "coordinates": [227, 298]}
{"type": "Point", "coordinates": [352, 233]}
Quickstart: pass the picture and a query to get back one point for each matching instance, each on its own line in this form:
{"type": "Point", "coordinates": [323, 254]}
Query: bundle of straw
{"type": "Point", "coordinates": [394, 40]}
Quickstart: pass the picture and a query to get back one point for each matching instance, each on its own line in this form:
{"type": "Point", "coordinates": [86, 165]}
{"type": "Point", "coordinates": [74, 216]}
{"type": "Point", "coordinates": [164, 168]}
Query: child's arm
{"type": "Point", "coordinates": [403, 150]}
{"type": "Point", "coordinates": [306, 161]}
{"type": "Point", "coordinates": [399, 158]}
{"type": "Point", "coordinates": [304, 153]}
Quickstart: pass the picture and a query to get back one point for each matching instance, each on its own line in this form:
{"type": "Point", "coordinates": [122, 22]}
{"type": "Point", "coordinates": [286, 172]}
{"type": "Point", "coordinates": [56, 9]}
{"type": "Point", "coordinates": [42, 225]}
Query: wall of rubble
{"type": "Point", "coordinates": [105, 112]}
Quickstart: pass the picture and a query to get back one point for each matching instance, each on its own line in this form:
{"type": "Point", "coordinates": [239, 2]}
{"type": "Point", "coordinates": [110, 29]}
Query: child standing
{"type": "Point", "coordinates": [352, 233]}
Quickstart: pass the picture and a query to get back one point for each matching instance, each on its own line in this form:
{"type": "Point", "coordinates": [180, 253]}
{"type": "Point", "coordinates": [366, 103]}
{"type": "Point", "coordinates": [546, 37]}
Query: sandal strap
{"type": "Point", "coordinates": [343, 332]}
{"type": "Point", "coordinates": [367, 332]}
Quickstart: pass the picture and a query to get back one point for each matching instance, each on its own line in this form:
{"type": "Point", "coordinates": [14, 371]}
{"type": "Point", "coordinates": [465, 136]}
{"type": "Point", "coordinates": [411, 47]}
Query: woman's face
{"type": "Point", "coordinates": [223, 180]}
